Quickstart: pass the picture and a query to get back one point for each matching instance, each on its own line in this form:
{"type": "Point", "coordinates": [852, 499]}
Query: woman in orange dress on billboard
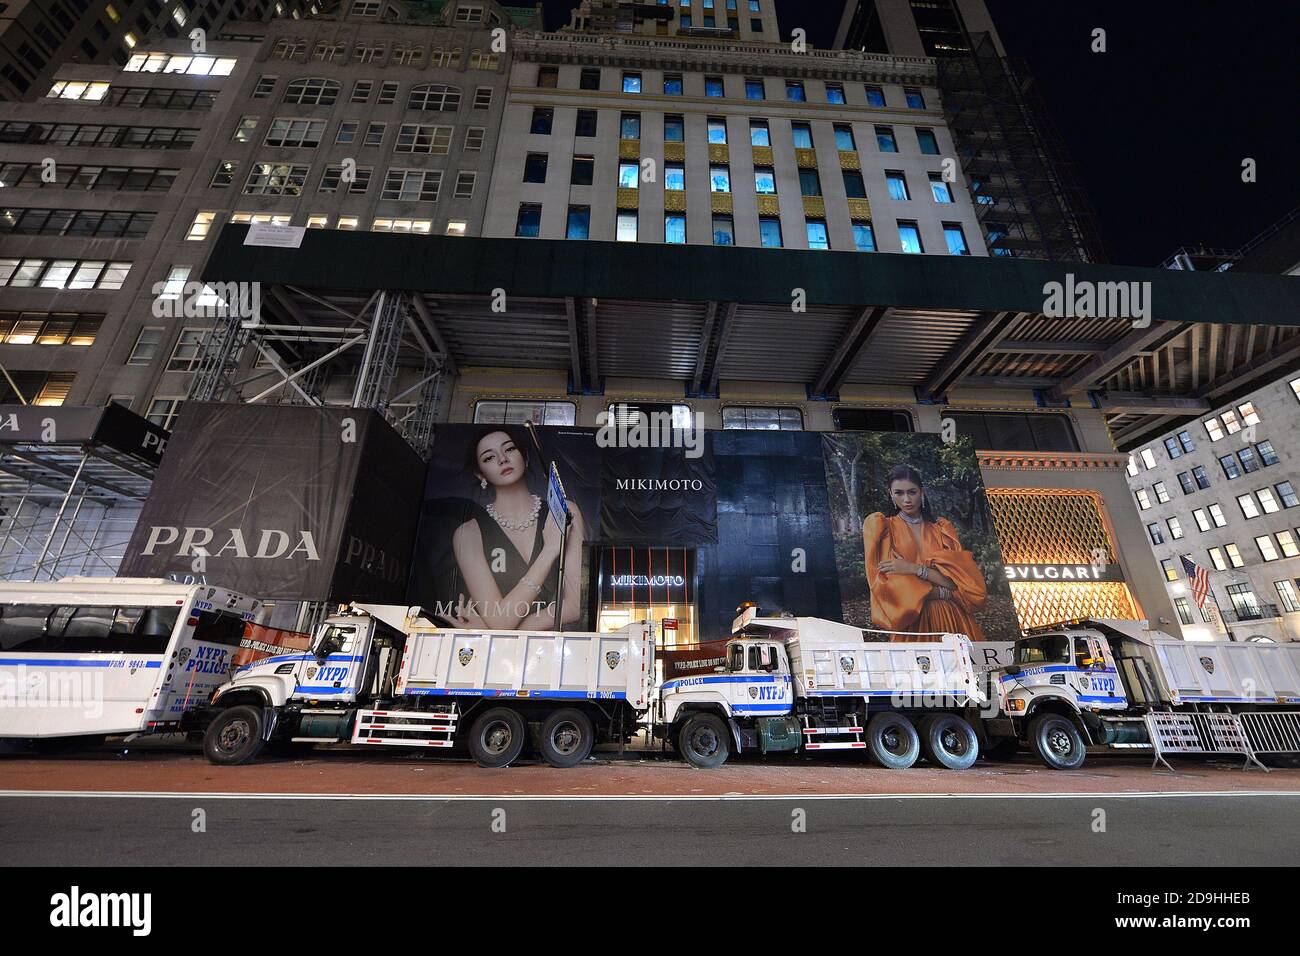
{"type": "Point", "coordinates": [922, 580]}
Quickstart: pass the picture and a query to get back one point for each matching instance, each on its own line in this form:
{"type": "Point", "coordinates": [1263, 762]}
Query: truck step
{"type": "Point", "coordinates": [405, 728]}
{"type": "Point", "coordinates": [832, 730]}
{"type": "Point", "coordinates": [849, 745]}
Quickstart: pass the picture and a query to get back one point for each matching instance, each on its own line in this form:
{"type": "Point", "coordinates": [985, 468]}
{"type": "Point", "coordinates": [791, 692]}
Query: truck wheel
{"type": "Point", "coordinates": [949, 741]}
{"type": "Point", "coordinates": [235, 736]}
{"type": "Point", "coordinates": [892, 741]}
{"type": "Point", "coordinates": [497, 738]}
{"type": "Point", "coordinates": [1057, 741]}
{"type": "Point", "coordinates": [567, 738]}
{"type": "Point", "coordinates": [703, 741]}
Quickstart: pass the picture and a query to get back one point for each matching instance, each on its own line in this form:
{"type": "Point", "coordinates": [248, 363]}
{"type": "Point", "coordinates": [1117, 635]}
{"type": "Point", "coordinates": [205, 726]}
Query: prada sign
{"type": "Point", "coordinates": [1055, 573]}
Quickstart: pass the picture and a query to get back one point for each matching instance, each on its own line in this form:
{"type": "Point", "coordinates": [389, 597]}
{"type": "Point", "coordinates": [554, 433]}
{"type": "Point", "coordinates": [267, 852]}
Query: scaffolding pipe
{"type": "Point", "coordinates": [49, 539]}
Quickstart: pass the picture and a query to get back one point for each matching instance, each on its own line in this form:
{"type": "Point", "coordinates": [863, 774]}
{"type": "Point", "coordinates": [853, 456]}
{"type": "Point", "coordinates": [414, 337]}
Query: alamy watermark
{"type": "Point", "coordinates": [1083, 299]}
{"type": "Point", "coordinates": [190, 300]}
{"type": "Point", "coordinates": [627, 427]}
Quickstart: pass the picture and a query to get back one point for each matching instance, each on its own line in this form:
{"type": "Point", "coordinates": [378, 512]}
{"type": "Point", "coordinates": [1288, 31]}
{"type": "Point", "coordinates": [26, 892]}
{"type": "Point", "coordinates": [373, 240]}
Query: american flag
{"type": "Point", "coordinates": [1199, 579]}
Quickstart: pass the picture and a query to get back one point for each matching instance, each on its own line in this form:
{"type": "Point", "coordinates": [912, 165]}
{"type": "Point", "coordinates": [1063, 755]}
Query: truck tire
{"type": "Point", "coordinates": [1057, 741]}
{"type": "Point", "coordinates": [949, 741]}
{"type": "Point", "coordinates": [497, 738]}
{"type": "Point", "coordinates": [703, 741]}
{"type": "Point", "coordinates": [567, 738]}
{"type": "Point", "coordinates": [892, 741]}
{"type": "Point", "coordinates": [234, 736]}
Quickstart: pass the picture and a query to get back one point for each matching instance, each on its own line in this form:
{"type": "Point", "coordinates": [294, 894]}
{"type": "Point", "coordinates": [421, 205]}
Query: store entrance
{"type": "Point", "coordinates": [654, 584]}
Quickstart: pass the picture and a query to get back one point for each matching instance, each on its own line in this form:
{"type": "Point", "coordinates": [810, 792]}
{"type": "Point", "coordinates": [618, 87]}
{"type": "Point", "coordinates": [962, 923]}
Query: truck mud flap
{"type": "Point", "coordinates": [735, 734]}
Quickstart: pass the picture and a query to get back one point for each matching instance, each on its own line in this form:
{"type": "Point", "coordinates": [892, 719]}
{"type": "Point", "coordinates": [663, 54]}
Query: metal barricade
{"type": "Point", "coordinates": [1198, 733]}
{"type": "Point", "coordinates": [1272, 732]}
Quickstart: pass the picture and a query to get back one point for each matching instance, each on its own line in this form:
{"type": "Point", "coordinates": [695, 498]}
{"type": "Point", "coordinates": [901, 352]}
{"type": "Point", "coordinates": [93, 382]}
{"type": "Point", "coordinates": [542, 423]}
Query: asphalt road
{"type": "Point", "coordinates": [1159, 830]}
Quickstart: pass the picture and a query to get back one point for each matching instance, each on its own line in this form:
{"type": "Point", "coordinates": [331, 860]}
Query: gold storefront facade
{"type": "Point", "coordinates": [1049, 528]}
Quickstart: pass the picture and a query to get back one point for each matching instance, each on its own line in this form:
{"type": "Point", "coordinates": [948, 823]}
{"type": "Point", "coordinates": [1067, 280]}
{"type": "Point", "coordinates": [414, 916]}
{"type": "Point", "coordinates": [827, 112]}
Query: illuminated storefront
{"type": "Point", "coordinates": [650, 584]}
{"type": "Point", "coordinates": [1060, 555]}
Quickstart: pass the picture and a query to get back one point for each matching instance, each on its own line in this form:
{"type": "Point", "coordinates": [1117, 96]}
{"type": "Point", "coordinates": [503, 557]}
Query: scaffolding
{"type": "Point", "coordinates": [1027, 195]}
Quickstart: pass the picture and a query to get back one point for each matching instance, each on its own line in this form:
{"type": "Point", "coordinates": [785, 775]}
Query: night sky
{"type": "Point", "coordinates": [1159, 124]}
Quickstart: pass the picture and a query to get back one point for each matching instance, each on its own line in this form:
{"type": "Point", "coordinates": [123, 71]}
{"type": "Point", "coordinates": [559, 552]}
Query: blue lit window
{"type": "Point", "coordinates": [897, 185]}
{"type": "Point", "coordinates": [926, 140]}
{"type": "Point", "coordinates": [875, 96]}
{"type": "Point", "coordinates": [885, 139]}
{"type": "Point", "coordinates": [764, 180]}
{"type": "Point", "coordinates": [817, 235]}
{"type": "Point", "coordinates": [713, 86]}
{"type": "Point", "coordinates": [940, 189]}
{"type": "Point", "coordinates": [864, 238]}
{"type": "Point", "coordinates": [956, 239]}
{"type": "Point", "coordinates": [794, 92]}
{"type": "Point", "coordinates": [631, 82]}
{"type": "Point", "coordinates": [630, 126]}
{"type": "Point", "coordinates": [754, 90]}
{"type": "Point", "coordinates": [674, 129]}
{"type": "Point", "coordinates": [629, 175]}
{"type": "Point", "coordinates": [529, 223]}
{"type": "Point", "coordinates": [675, 228]}
{"type": "Point", "coordinates": [759, 135]}
{"type": "Point", "coordinates": [802, 133]}
{"type": "Point", "coordinates": [579, 222]}
{"type": "Point", "coordinates": [674, 176]}
{"type": "Point", "coordinates": [672, 84]}
{"type": "Point", "coordinates": [724, 231]}
{"type": "Point", "coordinates": [915, 100]}
{"type": "Point", "coordinates": [717, 130]}
{"type": "Point", "coordinates": [769, 233]}
{"type": "Point", "coordinates": [844, 138]}
{"type": "Point", "coordinates": [720, 179]}
{"type": "Point", "coordinates": [910, 236]}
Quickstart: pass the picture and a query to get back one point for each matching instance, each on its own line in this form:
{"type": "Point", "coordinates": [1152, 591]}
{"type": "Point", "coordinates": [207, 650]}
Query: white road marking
{"type": "Point", "coordinates": [632, 797]}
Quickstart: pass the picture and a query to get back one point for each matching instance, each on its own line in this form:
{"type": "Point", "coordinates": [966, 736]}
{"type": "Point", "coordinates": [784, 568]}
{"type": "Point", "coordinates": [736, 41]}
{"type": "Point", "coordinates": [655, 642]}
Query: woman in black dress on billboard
{"type": "Point", "coordinates": [508, 551]}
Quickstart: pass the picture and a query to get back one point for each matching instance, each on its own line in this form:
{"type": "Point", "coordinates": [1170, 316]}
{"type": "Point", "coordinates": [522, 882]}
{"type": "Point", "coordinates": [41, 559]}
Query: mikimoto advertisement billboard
{"type": "Point", "coordinates": [282, 502]}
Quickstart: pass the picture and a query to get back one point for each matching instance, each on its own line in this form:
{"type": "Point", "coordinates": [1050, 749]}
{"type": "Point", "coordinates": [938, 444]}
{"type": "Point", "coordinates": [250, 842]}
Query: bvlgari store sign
{"type": "Point", "coordinates": [1063, 572]}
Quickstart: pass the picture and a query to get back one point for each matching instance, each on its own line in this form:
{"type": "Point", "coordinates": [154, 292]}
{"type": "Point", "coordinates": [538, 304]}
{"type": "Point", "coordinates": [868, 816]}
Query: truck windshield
{"type": "Point", "coordinates": [334, 639]}
{"type": "Point", "coordinates": [1049, 649]}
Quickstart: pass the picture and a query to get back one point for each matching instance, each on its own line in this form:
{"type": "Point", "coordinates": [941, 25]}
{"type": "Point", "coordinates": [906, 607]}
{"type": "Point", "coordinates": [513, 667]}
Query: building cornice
{"type": "Point", "coordinates": [754, 59]}
{"type": "Point", "coordinates": [1051, 461]}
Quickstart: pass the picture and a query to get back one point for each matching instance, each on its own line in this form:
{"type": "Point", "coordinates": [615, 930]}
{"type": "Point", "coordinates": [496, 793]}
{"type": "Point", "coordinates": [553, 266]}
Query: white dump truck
{"type": "Point", "coordinates": [384, 675]}
{"type": "Point", "coordinates": [85, 658]}
{"type": "Point", "coordinates": [807, 684]}
{"type": "Point", "coordinates": [1094, 682]}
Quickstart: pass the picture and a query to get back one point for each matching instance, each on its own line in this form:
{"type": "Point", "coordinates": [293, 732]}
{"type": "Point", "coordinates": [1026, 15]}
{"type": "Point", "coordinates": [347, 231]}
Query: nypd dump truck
{"type": "Point", "coordinates": [385, 675]}
{"type": "Point", "coordinates": [803, 684]}
{"type": "Point", "coordinates": [85, 658]}
{"type": "Point", "coordinates": [1095, 682]}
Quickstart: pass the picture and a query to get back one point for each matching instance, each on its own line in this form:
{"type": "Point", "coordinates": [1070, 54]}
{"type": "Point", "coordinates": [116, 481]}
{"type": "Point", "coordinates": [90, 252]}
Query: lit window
{"type": "Point", "coordinates": [885, 141]}
{"type": "Point", "coordinates": [897, 183]}
{"type": "Point", "coordinates": [1213, 428]}
{"type": "Point", "coordinates": [915, 100]}
{"type": "Point", "coordinates": [627, 226]}
{"type": "Point", "coordinates": [1143, 499]}
{"type": "Point", "coordinates": [818, 238]}
{"type": "Point", "coordinates": [1266, 547]}
{"type": "Point", "coordinates": [864, 237]}
{"type": "Point", "coordinates": [1248, 506]}
{"type": "Point", "coordinates": [956, 239]}
{"type": "Point", "coordinates": [724, 231]}
{"type": "Point", "coordinates": [674, 228]}
{"type": "Point", "coordinates": [758, 418]}
{"type": "Point", "coordinates": [909, 234]}
{"type": "Point", "coordinates": [457, 227]}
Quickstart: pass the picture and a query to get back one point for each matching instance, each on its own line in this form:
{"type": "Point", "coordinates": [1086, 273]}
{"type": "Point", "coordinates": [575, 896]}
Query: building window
{"type": "Point", "coordinates": [312, 92]}
{"type": "Point", "coordinates": [1175, 528]}
{"type": "Point", "coordinates": [672, 84]}
{"type": "Point", "coordinates": [295, 133]}
{"type": "Point", "coordinates": [1229, 465]}
{"type": "Point", "coordinates": [1184, 608]}
{"type": "Point", "coordinates": [474, 138]}
{"type": "Point", "coordinates": [433, 97]}
{"type": "Point", "coordinates": [939, 189]}
{"type": "Point", "coordinates": [1267, 501]}
{"type": "Point", "coordinates": [586, 125]}
{"type": "Point", "coordinates": [626, 227]}
{"type": "Point", "coordinates": [1213, 429]}
{"type": "Point", "coordinates": [956, 239]}
{"type": "Point", "coordinates": [631, 82]}
{"type": "Point", "coordinates": [871, 420]}
{"type": "Point", "coordinates": [864, 237]}
{"type": "Point", "coordinates": [589, 79]}
{"type": "Point", "coordinates": [579, 223]}
{"type": "Point", "coordinates": [885, 141]}
{"type": "Point", "coordinates": [494, 412]}
{"type": "Point", "coordinates": [818, 238]}
{"type": "Point", "coordinates": [465, 181]}
{"type": "Point", "coordinates": [1216, 558]}
{"type": "Point", "coordinates": [418, 138]}
{"type": "Point", "coordinates": [674, 228]}
{"type": "Point", "coordinates": [1202, 519]}
{"type": "Point", "coordinates": [63, 274]}
{"type": "Point", "coordinates": [482, 97]}
{"type": "Point", "coordinates": [674, 177]}
{"type": "Point", "coordinates": [629, 175]}
{"type": "Point", "coordinates": [1286, 595]}
{"type": "Point", "coordinates": [754, 91]}
{"type": "Point", "coordinates": [1153, 529]}
{"type": "Point", "coordinates": [810, 184]}
{"type": "Point", "coordinates": [998, 431]}
{"type": "Point", "coordinates": [1267, 548]}
{"type": "Point", "coordinates": [1162, 492]}
{"type": "Point", "coordinates": [582, 171]}
{"type": "Point", "coordinates": [897, 183]}
{"type": "Point", "coordinates": [909, 234]}
{"type": "Point", "coordinates": [268, 179]}
{"type": "Point", "coordinates": [1286, 540]}
{"type": "Point", "coordinates": [759, 134]}
{"type": "Point", "coordinates": [1172, 448]}
{"type": "Point", "coordinates": [713, 86]}
{"type": "Point", "coordinates": [1216, 513]}
{"type": "Point", "coordinates": [189, 348]}
{"type": "Point", "coordinates": [412, 185]}
{"type": "Point", "coordinates": [535, 168]}
{"type": "Point", "coordinates": [717, 131]}
{"type": "Point", "coordinates": [724, 231]}
{"type": "Point", "coordinates": [1249, 462]}
{"type": "Point", "coordinates": [844, 140]}
{"type": "Point", "coordinates": [1266, 453]}
{"type": "Point", "coordinates": [769, 232]}
{"type": "Point", "coordinates": [915, 100]}
{"type": "Point", "coordinates": [794, 92]}
{"type": "Point", "coordinates": [1202, 478]}
{"type": "Point", "coordinates": [875, 96]}
{"type": "Point", "coordinates": [163, 411]}
{"type": "Point", "coordinates": [529, 222]}
{"type": "Point", "coordinates": [720, 179]}
{"type": "Point", "coordinates": [1185, 439]}
{"type": "Point", "coordinates": [541, 122]}
{"type": "Point", "coordinates": [758, 418]}
{"type": "Point", "coordinates": [1143, 499]}
{"type": "Point", "coordinates": [802, 135]}
{"type": "Point", "coordinates": [835, 94]}
{"type": "Point", "coordinates": [1234, 556]}
{"type": "Point", "coordinates": [147, 343]}
{"type": "Point", "coordinates": [1286, 491]}
{"type": "Point", "coordinates": [347, 132]}
{"type": "Point", "coordinates": [629, 126]}
{"type": "Point", "coordinates": [925, 139]}
{"type": "Point", "coordinates": [1248, 506]}
{"type": "Point", "coordinates": [674, 128]}
{"type": "Point", "coordinates": [1184, 479]}
{"type": "Point", "coordinates": [854, 187]}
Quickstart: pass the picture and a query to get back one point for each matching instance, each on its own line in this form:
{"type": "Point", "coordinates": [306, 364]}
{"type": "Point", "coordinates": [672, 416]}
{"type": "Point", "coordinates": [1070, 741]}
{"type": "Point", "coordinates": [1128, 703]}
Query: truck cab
{"type": "Point", "coordinates": [755, 681]}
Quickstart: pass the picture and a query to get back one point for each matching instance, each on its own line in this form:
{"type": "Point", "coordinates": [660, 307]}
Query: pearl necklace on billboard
{"type": "Point", "coordinates": [517, 525]}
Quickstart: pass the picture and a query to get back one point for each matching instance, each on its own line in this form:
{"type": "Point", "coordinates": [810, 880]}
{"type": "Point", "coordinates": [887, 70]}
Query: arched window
{"type": "Point", "coordinates": [312, 91]}
{"type": "Point", "coordinates": [434, 97]}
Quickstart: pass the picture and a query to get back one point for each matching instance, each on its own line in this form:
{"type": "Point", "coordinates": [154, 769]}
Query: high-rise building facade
{"type": "Point", "coordinates": [37, 37]}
